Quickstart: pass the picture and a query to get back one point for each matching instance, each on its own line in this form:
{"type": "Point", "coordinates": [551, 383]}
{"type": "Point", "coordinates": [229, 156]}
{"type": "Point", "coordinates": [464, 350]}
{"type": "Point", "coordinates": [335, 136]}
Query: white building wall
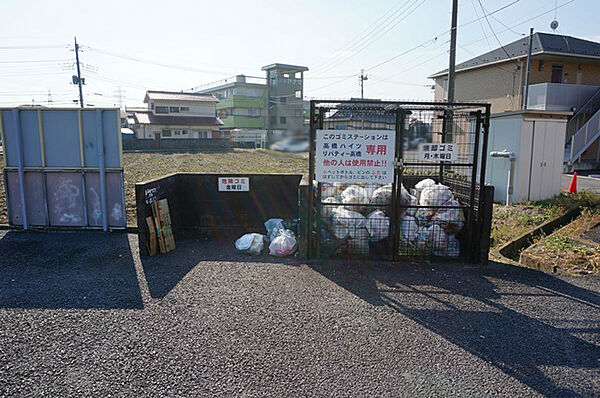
{"type": "Point", "coordinates": [206, 109]}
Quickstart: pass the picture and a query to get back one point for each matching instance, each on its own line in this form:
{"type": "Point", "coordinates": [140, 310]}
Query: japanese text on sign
{"type": "Point", "coordinates": [355, 156]}
{"type": "Point", "coordinates": [437, 152]}
{"type": "Point", "coordinates": [234, 184]}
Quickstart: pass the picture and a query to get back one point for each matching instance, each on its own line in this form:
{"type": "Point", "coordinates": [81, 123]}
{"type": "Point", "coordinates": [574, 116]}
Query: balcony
{"type": "Point", "coordinates": [558, 96]}
{"type": "Point", "coordinates": [240, 122]}
{"type": "Point", "coordinates": [239, 101]}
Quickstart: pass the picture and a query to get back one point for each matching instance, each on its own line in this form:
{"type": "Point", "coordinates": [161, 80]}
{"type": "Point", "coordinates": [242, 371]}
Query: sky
{"type": "Point", "coordinates": [128, 47]}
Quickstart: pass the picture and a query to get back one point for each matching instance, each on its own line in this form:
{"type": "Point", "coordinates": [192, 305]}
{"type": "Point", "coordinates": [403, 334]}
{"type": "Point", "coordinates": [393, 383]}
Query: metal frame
{"type": "Point", "coordinates": [44, 169]}
{"type": "Point", "coordinates": [480, 112]}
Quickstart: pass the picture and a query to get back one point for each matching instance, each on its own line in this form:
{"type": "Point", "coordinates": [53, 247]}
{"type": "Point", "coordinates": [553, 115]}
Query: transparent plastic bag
{"type": "Point", "coordinates": [452, 219]}
{"type": "Point", "coordinates": [273, 225]}
{"type": "Point", "coordinates": [284, 244]}
{"type": "Point", "coordinates": [252, 243]}
{"type": "Point", "coordinates": [346, 222]}
{"type": "Point", "coordinates": [378, 225]}
{"type": "Point", "coordinates": [435, 195]}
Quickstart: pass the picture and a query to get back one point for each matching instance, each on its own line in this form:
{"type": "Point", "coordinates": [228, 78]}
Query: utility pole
{"type": "Point", "coordinates": [362, 79]}
{"type": "Point", "coordinates": [452, 64]}
{"type": "Point", "coordinates": [78, 80]}
{"type": "Point", "coordinates": [527, 68]}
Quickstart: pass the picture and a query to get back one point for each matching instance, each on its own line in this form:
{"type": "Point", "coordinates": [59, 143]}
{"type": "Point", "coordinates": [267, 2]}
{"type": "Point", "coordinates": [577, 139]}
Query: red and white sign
{"type": "Point", "coordinates": [355, 156]}
{"type": "Point", "coordinates": [234, 184]}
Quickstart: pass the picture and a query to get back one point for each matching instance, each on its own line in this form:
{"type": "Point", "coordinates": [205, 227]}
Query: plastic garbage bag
{"type": "Point", "coordinates": [451, 219]}
{"type": "Point", "coordinates": [327, 209]}
{"type": "Point", "coordinates": [437, 239]}
{"type": "Point", "coordinates": [284, 244]}
{"type": "Point", "coordinates": [252, 243]}
{"type": "Point", "coordinates": [359, 243]}
{"type": "Point", "coordinates": [453, 249]}
{"type": "Point", "coordinates": [273, 225]}
{"type": "Point", "coordinates": [382, 195]}
{"type": "Point", "coordinates": [421, 185]}
{"type": "Point", "coordinates": [378, 225]}
{"type": "Point", "coordinates": [346, 222]}
{"type": "Point", "coordinates": [423, 215]}
{"type": "Point", "coordinates": [329, 190]}
{"type": "Point", "coordinates": [435, 195]}
{"type": "Point", "coordinates": [411, 211]}
{"type": "Point", "coordinates": [422, 237]}
{"type": "Point", "coordinates": [409, 229]}
{"type": "Point", "coordinates": [355, 195]}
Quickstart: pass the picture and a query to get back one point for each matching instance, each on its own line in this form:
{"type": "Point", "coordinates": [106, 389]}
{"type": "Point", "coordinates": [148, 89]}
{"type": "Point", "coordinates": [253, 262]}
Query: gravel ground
{"type": "Point", "coordinates": [81, 314]}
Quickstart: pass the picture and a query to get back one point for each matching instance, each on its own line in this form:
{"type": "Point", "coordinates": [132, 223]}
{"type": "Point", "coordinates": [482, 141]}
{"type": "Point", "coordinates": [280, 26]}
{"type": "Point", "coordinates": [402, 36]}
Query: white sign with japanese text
{"type": "Point", "coordinates": [355, 156]}
{"type": "Point", "coordinates": [436, 152]}
{"type": "Point", "coordinates": [234, 184]}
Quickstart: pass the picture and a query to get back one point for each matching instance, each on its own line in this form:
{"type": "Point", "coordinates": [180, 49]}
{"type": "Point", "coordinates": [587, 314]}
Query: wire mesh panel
{"type": "Point", "coordinates": [426, 205]}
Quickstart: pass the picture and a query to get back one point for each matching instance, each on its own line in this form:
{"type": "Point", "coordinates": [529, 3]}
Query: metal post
{"type": "Point", "coordinates": [452, 63]}
{"type": "Point", "coordinates": [311, 172]}
{"type": "Point", "coordinates": [20, 168]}
{"type": "Point", "coordinates": [472, 220]}
{"type": "Point", "coordinates": [527, 70]}
{"type": "Point", "coordinates": [398, 159]}
{"type": "Point", "coordinates": [101, 168]}
{"type": "Point", "coordinates": [321, 117]}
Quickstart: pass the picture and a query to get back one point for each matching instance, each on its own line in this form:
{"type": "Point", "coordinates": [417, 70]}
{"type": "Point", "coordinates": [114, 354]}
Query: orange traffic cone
{"type": "Point", "coordinates": [573, 186]}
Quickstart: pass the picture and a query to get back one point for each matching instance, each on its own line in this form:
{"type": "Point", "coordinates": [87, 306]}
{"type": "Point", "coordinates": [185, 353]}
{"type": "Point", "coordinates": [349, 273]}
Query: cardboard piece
{"type": "Point", "coordinates": [162, 220]}
{"type": "Point", "coordinates": [152, 237]}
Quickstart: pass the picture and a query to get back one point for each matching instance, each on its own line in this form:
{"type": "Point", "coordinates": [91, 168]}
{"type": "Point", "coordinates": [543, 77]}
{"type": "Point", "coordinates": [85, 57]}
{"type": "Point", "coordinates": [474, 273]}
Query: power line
{"type": "Point", "coordinates": [492, 29]}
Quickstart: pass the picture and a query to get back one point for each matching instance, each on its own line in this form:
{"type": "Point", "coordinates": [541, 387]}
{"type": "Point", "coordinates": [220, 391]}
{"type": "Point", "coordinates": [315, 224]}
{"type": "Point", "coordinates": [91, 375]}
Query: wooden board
{"type": "Point", "coordinates": [162, 219]}
{"type": "Point", "coordinates": [152, 237]}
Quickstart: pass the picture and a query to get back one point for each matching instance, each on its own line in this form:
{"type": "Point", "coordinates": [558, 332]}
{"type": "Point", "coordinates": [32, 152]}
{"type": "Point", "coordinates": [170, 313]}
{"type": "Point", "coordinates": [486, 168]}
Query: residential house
{"type": "Point", "coordinates": [273, 103]}
{"type": "Point", "coordinates": [177, 115]}
{"type": "Point", "coordinates": [551, 124]}
{"type": "Point", "coordinates": [564, 83]}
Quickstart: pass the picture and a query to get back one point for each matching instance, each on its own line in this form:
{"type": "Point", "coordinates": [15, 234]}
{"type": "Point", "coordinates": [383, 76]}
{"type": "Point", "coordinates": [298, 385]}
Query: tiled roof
{"type": "Point", "coordinates": [178, 96]}
{"type": "Point", "coordinates": [165, 120]}
{"type": "Point", "coordinates": [542, 43]}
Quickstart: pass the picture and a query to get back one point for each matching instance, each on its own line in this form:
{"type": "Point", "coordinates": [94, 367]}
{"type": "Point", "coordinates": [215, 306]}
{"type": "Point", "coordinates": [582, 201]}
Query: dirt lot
{"type": "Point", "coordinates": [145, 166]}
{"type": "Point", "coordinates": [83, 315]}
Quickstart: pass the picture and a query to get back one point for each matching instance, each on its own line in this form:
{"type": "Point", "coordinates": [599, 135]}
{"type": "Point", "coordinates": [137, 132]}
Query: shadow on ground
{"type": "Point", "coordinates": [67, 270]}
{"type": "Point", "coordinates": [465, 306]}
{"type": "Point", "coordinates": [164, 271]}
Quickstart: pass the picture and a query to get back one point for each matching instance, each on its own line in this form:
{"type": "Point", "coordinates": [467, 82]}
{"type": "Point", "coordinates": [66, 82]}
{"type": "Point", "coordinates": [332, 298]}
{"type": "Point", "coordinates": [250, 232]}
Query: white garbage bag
{"type": "Point", "coordinates": [252, 243]}
{"type": "Point", "coordinates": [284, 244]}
{"type": "Point", "coordinates": [421, 185]}
{"type": "Point", "coordinates": [346, 222]}
{"type": "Point", "coordinates": [378, 225]}
{"type": "Point", "coordinates": [423, 215]}
{"type": "Point", "coordinates": [273, 225]}
{"type": "Point", "coordinates": [435, 195]}
{"type": "Point", "coordinates": [327, 209]}
{"type": "Point", "coordinates": [382, 195]}
{"type": "Point", "coordinates": [437, 239]}
{"type": "Point", "coordinates": [355, 195]}
{"type": "Point", "coordinates": [329, 190]}
{"type": "Point", "coordinates": [411, 211]}
{"type": "Point", "coordinates": [409, 229]}
{"type": "Point", "coordinates": [451, 219]}
{"type": "Point", "coordinates": [422, 237]}
{"type": "Point", "coordinates": [359, 243]}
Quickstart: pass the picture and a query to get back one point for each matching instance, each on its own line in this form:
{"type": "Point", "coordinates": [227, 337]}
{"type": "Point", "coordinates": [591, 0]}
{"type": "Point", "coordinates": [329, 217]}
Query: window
{"type": "Point", "coordinates": [282, 120]}
{"type": "Point", "coordinates": [283, 100]}
{"type": "Point", "coordinates": [286, 75]}
{"type": "Point", "coordinates": [205, 134]}
{"type": "Point", "coordinates": [298, 75]}
{"type": "Point", "coordinates": [184, 132]}
{"type": "Point", "coordinates": [557, 74]}
{"type": "Point", "coordinates": [152, 105]}
{"type": "Point", "coordinates": [177, 132]}
{"type": "Point", "coordinates": [185, 109]}
{"type": "Point", "coordinates": [298, 93]}
{"type": "Point", "coordinates": [161, 109]}
{"type": "Point", "coordinates": [174, 109]}
{"type": "Point", "coordinates": [166, 132]}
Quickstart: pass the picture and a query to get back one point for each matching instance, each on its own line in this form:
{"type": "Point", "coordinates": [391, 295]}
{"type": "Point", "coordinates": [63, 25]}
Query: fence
{"type": "Point", "coordinates": [371, 196]}
{"type": "Point", "coordinates": [63, 167]}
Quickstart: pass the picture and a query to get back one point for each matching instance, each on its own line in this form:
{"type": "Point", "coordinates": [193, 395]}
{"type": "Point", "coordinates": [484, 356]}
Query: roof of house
{"type": "Point", "coordinates": [179, 96]}
{"type": "Point", "coordinates": [165, 120]}
{"type": "Point", "coordinates": [295, 68]}
{"type": "Point", "coordinates": [543, 43]}
{"type": "Point", "coordinates": [361, 110]}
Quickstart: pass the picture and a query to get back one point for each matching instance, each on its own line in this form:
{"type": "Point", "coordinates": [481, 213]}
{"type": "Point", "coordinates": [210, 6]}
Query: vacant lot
{"type": "Point", "coordinates": [146, 166]}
